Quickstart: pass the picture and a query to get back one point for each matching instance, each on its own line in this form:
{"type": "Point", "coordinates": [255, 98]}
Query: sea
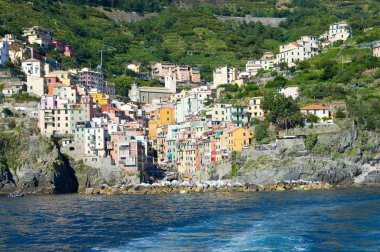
{"type": "Point", "coordinates": [331, 220]}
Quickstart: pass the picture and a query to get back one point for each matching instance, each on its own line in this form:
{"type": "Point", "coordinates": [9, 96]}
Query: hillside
{"type": "Point", "coordinates": [185, 33]}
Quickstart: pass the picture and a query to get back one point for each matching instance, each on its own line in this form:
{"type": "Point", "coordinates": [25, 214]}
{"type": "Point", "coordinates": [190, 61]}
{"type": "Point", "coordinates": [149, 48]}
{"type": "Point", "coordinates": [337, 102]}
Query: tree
{"type": "Point", "coordinates": [123, 85]}
{"type": "Point", "coordinates": [329, 70]}
{"type": "Point", "coordinates": [261, 131]}
{"type": "Point", "coordinates": [281, 110]}
{"type": "Point", "coordinates": [278, 82]}
{"type": "Point", "coordinates": [340, 114]}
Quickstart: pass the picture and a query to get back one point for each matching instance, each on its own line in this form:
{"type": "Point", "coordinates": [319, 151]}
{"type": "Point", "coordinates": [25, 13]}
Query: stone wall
{"type": "Point", "coordinates": [274, 22]}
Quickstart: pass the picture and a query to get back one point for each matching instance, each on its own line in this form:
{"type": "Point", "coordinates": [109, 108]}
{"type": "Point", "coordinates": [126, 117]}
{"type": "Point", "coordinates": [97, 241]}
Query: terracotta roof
{"type": "Point", "coordinates": [296, 44]}
{"type": "Point", "coordinates": [314, 107]}
{"type": "Point", "coordinates": [327, 41]}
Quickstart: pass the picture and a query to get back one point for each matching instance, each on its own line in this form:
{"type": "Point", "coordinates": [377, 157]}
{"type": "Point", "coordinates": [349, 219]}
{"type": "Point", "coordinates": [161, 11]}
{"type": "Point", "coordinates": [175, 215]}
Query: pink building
{"type": "Point", "coordinates": [162, 69]}
{"type": "Point", "coordinates": [69, 51]}
{"type": "Point", "coordinates": [127, 151]}
{"type": "Point", "coordinates": [183, 73]}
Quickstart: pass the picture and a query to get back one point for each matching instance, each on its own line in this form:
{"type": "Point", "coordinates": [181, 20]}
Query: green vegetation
{"type": "Point", "coordinates": [188, 33]}
{"type": "Point", "coordinates": [7, 112]}
{"type": "Point", "coordinates": [310, 141]}
{"type": "Point", "coordinates": [261, 131]}
{"type": "Point", "coordinates": [140, 6]}
{"type": "Point", "coordinates": [24, 97]}
{"type": "Point", "coordinates": [235, 166]}
{"type": "Point", "coordinates": [10, 148]}
{"type": "Point", "coordinates": [284, 111]}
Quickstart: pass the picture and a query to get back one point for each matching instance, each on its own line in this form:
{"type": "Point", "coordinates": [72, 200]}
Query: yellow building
{"type": "Point", "coordinates": [158, 118]}
{"type": "Point", "coordinates": [100, 98]}
{"type": "Point", "coordinates": [63, 76]}
{"type": "Point", "coordinates": [133, 67]}
{"type": "Point", "coordinates": [239, 138]}
{"type": "Point", "coordinates": [255, 109]}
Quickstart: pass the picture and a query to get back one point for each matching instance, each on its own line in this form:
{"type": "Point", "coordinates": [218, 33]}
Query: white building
{"type": "Point", "coordinates": [266, 62]}
{"type": "Point", "coordinates": [66, 93]}
{"type": "Point", "coordinates": [290, 92]}
{"type": "Point", "coordinates": [32, 67]}
{"type": "Point", "coordinates": [4, 52]}
{"type": "Point", "coordinates": [224, 75]}
{"type": "Point", "coordinates": [219, 113]}
{"type": "Point", "coordinates": [11, 85]}
{"type": "Point", "coordinates": [150, 94]}
{"type": "Point", "coordinates": [38, 35]}
{"type": "Point", "coordinates": [339, 31]}
{"type": "Point", "coordinates": [34, 76]}
{"type": "Point", "coordinates": [186, 107]}
{"type": "Point", "coordinates": [92, 137]}
{"type": "Point", "coordinates": [11, 39]}
{"type": "Point", "coordinates": [291, 54]}
{"type": "Point", "coordinates": [134, 68]}
{"type": "Point", "coordinates": [318, 110]}
{"type": "Point", "coordinates": [376, 49]}
{"type": "Point", "coordinates": [304, 48]}
{"type": "Point", "coordinates": [311, 46]}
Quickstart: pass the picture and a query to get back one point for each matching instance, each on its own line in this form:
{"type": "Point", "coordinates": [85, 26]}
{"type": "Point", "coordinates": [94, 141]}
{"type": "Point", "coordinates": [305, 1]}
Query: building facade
{"type": "Point", "coordinates": [4, 52]}
{"type": "Point", "coordinates": [39, 35]}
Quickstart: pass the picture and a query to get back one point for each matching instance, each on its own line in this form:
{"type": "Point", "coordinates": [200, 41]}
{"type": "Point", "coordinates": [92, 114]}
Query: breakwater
{"type": "Point", "coordinates": [176, 187]}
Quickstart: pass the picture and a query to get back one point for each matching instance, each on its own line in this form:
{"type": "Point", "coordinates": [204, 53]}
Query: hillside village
{"type": "Point", "coordinates": [182, 126]}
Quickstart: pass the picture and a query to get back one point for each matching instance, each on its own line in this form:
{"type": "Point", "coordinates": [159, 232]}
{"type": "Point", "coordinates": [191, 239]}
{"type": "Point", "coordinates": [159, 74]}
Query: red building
{"type": "Point", "coordinates": [57, 44]}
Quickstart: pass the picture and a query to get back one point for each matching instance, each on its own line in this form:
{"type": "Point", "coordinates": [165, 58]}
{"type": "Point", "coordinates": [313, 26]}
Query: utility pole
{"type": "Point", "coordinates": [105, 48]}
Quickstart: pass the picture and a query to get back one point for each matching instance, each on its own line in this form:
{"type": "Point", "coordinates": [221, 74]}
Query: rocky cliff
{"type": "Point", "coordinates": [341, 157]}
{"type": "Point", "coordinates": [32, 164]}
{"type": "Point", "coordinates": [35, 164]}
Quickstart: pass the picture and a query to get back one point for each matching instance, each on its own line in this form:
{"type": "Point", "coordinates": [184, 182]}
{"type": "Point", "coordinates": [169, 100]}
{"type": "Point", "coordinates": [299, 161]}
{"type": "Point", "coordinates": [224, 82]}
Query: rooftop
{"type": "Point", "coordinates": [314, 107]}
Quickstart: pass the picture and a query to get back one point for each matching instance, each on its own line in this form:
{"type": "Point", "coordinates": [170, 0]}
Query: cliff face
{"type": "Point", "coordinates": [33, 164]}
{"type": "Point", "coordinates": [37, 167]}
{"type": "Point", "coordinates": [344, 157]}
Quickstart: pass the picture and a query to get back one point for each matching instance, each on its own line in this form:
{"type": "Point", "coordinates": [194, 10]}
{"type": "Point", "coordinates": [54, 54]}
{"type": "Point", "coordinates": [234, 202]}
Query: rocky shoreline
{"type": "Point", "coordinates": [176, 187]}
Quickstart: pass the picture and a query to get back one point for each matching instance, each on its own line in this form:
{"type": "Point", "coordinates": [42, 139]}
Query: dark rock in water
{"type": "Point", "coordinates": [7, 183]}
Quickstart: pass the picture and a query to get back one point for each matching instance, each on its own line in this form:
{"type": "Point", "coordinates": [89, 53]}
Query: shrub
{"type": "Point", "coordinates": [326, 118]}
{"type": "Point", "coordinates": [310, 141]}
{"type": "Point", "coordinates": [261, 131]}
{"type": "Point", "coordinates": [311, 118]}
{"type": "Point", "coordinates": [340, 114]}
{"type": "Point", "coordinates": [12, 124]}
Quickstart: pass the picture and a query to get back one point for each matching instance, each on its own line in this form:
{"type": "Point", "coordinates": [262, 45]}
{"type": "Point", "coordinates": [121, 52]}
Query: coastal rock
{"type": "Point", "coordinates": [42, 170]}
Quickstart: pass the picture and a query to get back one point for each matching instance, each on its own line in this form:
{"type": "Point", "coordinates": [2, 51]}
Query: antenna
{"type": "Point", "coordinates": [105, 48]}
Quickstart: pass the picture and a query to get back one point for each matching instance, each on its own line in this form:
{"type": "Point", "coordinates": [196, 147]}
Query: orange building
{"type": "Point", "coordinates": [158, 118]}
{"type": "Point", "coordinates": [53, 85]}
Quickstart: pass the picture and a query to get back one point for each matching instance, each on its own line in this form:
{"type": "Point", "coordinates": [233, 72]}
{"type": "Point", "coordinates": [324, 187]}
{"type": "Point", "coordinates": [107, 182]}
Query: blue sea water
{"type": "Point", "coordinates": [336, 220]}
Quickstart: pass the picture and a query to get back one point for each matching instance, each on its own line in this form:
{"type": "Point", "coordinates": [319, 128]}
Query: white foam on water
{"type": "Point", "coordinates": [263, 237]}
